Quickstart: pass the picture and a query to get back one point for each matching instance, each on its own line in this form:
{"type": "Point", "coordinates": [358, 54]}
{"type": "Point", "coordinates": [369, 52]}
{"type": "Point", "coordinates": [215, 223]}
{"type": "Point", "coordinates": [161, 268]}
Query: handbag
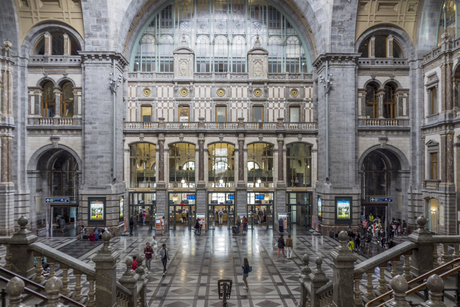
{"type": "Point", "coordinates": [250, 269]}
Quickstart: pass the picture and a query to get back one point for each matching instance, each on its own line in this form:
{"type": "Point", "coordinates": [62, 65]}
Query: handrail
{"type": "Point", "coordinates": [63, 258]}
{"type": "Point", "coordinates": [122, 288]}
{"type": "Point", "coordinates": [384, 257]}
{"type": "Point", "coordinates": [37, 285]}
{"type": "Point", "coordinates": [416, 280]}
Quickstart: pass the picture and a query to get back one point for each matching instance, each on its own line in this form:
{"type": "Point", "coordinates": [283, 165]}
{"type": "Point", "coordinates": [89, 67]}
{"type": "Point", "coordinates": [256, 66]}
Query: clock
{"type": "Point", "coordinates": [257, 92]}
{"type": "Point", "coordinates": [146, 92]}
{"type": "Point", "coordinates": [294, 92]}
{"type": "Point", "coordinates": [184, 92]}
{"type": "Point", "coordinates": [220, 92]}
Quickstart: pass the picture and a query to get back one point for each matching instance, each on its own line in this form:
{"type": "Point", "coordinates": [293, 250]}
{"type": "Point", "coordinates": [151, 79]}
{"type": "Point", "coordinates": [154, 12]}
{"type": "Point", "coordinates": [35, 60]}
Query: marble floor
{"type": "Point", "coordinates": [198, 262]}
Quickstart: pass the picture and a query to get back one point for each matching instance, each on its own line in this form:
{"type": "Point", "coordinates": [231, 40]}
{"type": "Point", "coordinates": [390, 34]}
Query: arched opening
{"type": "Point", "coordinates": [372, 101]}
{"type": "Point", "coordinates": [221, 164]}
{"type": "Point", "coordinates": [383, 186]}
{"type": "Point", "coordinates": [182, 165]}
{"type": "Point", "coordinates": [389, 101]}
{"type": "Point", "coordinates": [142, 165]}
{"type": "Point", "coordinates": [260, 154]}
{"type": "Point", "coordinates": [298, 162]}
{"type": "Point", "coordinates": [56, 184]}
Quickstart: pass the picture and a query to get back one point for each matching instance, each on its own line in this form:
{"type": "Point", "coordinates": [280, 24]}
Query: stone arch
{"type": "Point", "coordinates": [394, 81]}
{"type": "Point", "coordinates": [43, 80]}
{"type": "Point", "coordinates": [385, 29]}
{"type": "Point", "coordinates": [216, 142]}
{"type": "Point", "coordinates": [36, 32]}
{"type": "Point", "coordinates": [303, 142]}
{"type": "Point", "coordinates": [302, 14]}
{"type": "Point", "coordinates": [380, 85]}
{"type": "Point", "coordinates": [32, 165]}
{"type": "Point", "coordinates": [404, 163]}
{"type": "Point", "coordinates": [63, 80]}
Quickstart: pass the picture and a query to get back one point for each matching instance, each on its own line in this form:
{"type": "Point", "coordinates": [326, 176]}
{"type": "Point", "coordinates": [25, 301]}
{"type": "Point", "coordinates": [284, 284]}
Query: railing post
{"type": "Point", "coordinates": [400, 286]}
{"type": "Point", "coordinates": [381, 288]}
{"type": "Point", "coordinates": [394, 264]}
{"type": "Point", "coordinates": [436, 286]}
{"type": "Point", "coordinates": [304, 276]}
{"type": "Point", "coordinates": [52, 288]}
{"type": "Point", "coordinates": [161, 123]}
{"type": "Point", "coordinates": [22, 259]}
{"type": "Point", "coordinates": [357, 292]}
{"type": "Point", "coordinates": [343, 266]}
{"type": "Point", "coordinates": [422, 256]}
{"type": "Point", "coordinates": [406, 267]}
{"type": "Point", "coordinates": [106, 273]}
{"type": "Point", "coordinates": [445, 253]}
{"type": "Point", "coordinates": [38, 270]}
{"type": "Point", "coordinates": [65, 279]}
{"type": "Point", "coordinates": [240, 122]}
{"type": "Point", "coordinates": [369, 286]}
{"type": "Point", "coordinates": [201, 122]}
{"type": "Point", "coordinates": [14, 289]}
{"type": "Point", "coordinates": [78, 297]}
{"type": "Point", "coordinates": [129, 280]}
{"type": "Point", "coordinates": [318, 279]}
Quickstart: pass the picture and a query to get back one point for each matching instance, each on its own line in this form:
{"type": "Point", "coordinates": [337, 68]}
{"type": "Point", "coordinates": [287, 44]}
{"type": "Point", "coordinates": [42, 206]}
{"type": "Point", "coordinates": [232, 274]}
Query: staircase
{"type": "Point", "coordinates": [25, 286]}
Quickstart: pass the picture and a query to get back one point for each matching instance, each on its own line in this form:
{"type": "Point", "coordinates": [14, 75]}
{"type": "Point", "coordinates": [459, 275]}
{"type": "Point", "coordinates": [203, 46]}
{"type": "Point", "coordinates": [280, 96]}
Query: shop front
{"type": "Point", "coordinates": [260, 209]}
{"type": "Point", "coordinates": [298, 210]}
{"type": "Point", "coordinates": [140, 204]}
{"type": "Point", "coordinates": [221, 209]}
{"type": "Point", "coordinates": [181, 210]}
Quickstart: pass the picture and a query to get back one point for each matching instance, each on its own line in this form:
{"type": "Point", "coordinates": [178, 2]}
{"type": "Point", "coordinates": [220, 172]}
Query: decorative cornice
{"type": "Point", "coordinates": [98, 57]}
{"type": "Point", "coordinates": [336, 59]}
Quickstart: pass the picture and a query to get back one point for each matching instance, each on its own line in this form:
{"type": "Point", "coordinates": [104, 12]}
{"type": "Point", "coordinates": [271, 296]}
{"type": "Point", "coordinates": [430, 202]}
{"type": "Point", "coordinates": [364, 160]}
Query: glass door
{"type": "Point", "coordinates": [230, 216]}
{"type": "Point", "coordinates": [251, 210]}
{"type": "Point", "coordinates": [172, 217]}
{"type": "Point", "coordinates": [269, 217]}
{"type": "Point", "coordinates": [211, 217]}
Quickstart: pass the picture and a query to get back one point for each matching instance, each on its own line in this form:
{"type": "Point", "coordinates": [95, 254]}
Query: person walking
{"type": "Point", "coordinates": [197, 226]}
{"type": "Point", "coordinates": [148, 252]}
{"type": "Point", "coordinates": [164, 255]}
{"type": "Point", "coordinates": [221, 217]}
{"type": "Point", "coordinates": [131, 226]}
{"type": "Point", "coordinates": [62, 224]}
{"type": "Point", "coordinates": [404, 225]}
{"type": "Point", "coordinates": [281, 224]}
{"type": "Point", "coordinates": [246, 270]}
{"type": "Point", "coordinates": [245, 224]}
{"type": "Point", "coordinates": [260, 214]}
{"type": "Point", "coordinates": [281, 246]}
{"type": "Point", "coordinates": [134, 266]}
{"type": "Point", "coordinates": [200, 223]}
{"type": "Point", "coordinates": [289, 248]}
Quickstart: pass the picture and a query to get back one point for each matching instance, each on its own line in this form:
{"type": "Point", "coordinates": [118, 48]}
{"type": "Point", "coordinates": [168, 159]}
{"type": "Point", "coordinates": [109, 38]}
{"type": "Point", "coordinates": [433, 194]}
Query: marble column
{"type": "Point", "coordinates": [380, 95]}
{"type": "Point", "coordinates": [390, 43]}
{"type": "Point", "coordinates": [57, 102]}
{"type": "Point", "coordinates": [161, 161]}
{"type": "Point", "coordinates": [443, 157]}
{"type": "Point", "coordinates": [448, 85]}
{"type": "Point", "coordinates": [241, 192]}
{"type": "Point", "coordinates": [372, 47]}
{"type": "Point", "coordinates": [201, 161]}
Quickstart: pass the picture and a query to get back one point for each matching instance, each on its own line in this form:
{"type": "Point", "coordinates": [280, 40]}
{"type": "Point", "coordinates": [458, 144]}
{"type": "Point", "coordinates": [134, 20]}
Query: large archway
{"type": "Point", "coordinates": [54, 179]}
{"type": "Point", "coordinates": [384, 178]}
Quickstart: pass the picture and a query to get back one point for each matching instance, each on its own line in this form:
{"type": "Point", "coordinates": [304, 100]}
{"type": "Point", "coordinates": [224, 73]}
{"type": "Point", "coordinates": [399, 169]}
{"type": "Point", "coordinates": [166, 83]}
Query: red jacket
{"type": "Point", "coordinates": [134, 264]}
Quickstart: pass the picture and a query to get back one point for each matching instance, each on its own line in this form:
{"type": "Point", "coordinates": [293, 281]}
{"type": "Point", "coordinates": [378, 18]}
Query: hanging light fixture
{"type": "Point", "coordinates": [182, 181]}
{"type": "Point", "coordinates": [259, 181]}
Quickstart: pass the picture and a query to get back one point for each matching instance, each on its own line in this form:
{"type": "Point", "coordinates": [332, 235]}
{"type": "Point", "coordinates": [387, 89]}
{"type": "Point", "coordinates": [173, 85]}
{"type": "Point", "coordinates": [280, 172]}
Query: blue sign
{"type": "Point", "coordinates": [231, 196]}
{"type": "Point", "coordinates": [191, 196]}
{"type": "Point", "coordinates": [57, 200]}
{"type": "Point", "coordinates": [381, 199]}
{"type": "Point", "coordinates": [260, 196]}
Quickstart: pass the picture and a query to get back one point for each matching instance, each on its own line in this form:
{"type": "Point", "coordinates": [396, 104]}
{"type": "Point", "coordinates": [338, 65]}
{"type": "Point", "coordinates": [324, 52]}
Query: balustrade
{"type": "Point", "coordinates": [218, 126]}
{"type": "Point", "coordinates": [54, 121]}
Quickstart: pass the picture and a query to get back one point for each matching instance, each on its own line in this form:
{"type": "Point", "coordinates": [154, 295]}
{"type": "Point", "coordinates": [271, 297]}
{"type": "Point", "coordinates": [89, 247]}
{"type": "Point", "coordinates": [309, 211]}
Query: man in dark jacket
{"type": "Point", "coordinates": [281, 245]}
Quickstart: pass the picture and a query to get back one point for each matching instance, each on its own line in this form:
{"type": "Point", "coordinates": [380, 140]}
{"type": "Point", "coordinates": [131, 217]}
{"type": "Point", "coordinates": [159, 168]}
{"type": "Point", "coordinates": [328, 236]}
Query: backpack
{"type": "Point", "coordinates": [250, 269]}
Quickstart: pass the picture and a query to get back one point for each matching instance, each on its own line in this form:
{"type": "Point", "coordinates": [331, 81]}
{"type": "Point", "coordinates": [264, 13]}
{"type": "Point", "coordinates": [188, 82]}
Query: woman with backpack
{"type": "Point", "coordinates": [281, 245]}
{"type": "Point", "coordinates": [246, 270]}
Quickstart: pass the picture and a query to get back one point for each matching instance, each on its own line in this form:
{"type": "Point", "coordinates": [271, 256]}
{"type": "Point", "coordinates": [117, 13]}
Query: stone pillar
{"type": "Point", "coordinates": [390, 43]}
{"type": "Point", "coordinates": [372, 47]}
{"type": "Point", "coordinates": [304, 277]}
{"type": "Point", "coordinates": [241, 192]}
{"type": "Point", "coordinates": [318, 279]}
{"type": "Point", "coordinates": [362, 103]}
{"type": "Point", "coordinates": [57, 102]}
{"type": "Point", "coordinates": [201, 161]}
{"type": "Point", "coordinates": [47, 38]}
{"type": "Point", "coordinates": [129, 280]}
{"type": "Point", "coordinates": [161, 160]}
{"type": "Point", "coordinates": [22, 259]}
{"type": "Point", "coordinates": [102, 175]}
{"type": "Point", "coordinates": [66, 44]}
{"type": "Point", "coordinates": [343, 266]}
{"type": "Point", "coordinates": [106, 273]}
{"type": "Point", "coordinates": [422, 257]}
{"type": "Point", "coordinates": [448, 86]}
{"type": "Point", "coordinates": [380, 95]}
{"type": "Point", "coordinates": [280, 185]}
{"type": "Point", "coordinates": [162, 197]}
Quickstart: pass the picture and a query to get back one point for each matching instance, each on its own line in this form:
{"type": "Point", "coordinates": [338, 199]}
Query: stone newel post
{"type": "Point", "coordinates": [400, 286]}
{"type": "Point", "coordinates": [422, 257]}
{"type": "Point", "coordinates": [129, 280]}
{"type": "Point", "coordinates": [14, 289]}
{"type": "Point", "coordinates": [22, 259]}
{"type": "Point", "coordinates": [344, 264]}
{"type": "Point", "coordinates": [304, 277]}
{"type": "Point", "coordinates": [106, 274]}
{"type": "Point", "coordinates": [318, 279]}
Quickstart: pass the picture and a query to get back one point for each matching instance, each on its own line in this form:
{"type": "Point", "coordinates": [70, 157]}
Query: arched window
{"type": "Point", "coordinates": [298, 162]}
{"type": "Point", "coordinates": [60, 44]}
{"type": "Point", "coordinates": [230, 27]}
{"type": "Point", "coordinates": [48, 100]}
{"type": "Point", "coordinates": [448, 20]}
{"type": "Point", "coordinates": [221, 165]}
{"type": "Point", "coordinates": [372, 101]}
{"type": "Point", "coordinates": [275, 50]}
{"type": "Point", "coordinates": [383, 47]}
{"type": "Point", "coordinates": [182, 165]}
{"type": "Point", "coordinates": [142, 165]}
{"type": "Point", "coordinates": [147, 58]}
{"type": "Point", "coordinates": [67, 100]}
{"type": "Point", "coordinates": [262, 154]}
{"type": "Point", "coordinates": [389, 101]}
{"type": "Point", "coordinates": [64, 179]}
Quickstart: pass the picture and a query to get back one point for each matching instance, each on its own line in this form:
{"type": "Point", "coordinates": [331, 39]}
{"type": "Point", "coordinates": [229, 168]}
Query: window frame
{"type": "Point", "coordinates": [434, 166]}
{"type": "Point", "coordinates": [253, 114]}
{"type": "Point", "coordinates": [216, 115]}
{"type": "Point", "coordinates": [146, 107]}
{"type": "Point", "coordinates": [291, 108]}
{"type": "Point", "coordinates": [179, 112]}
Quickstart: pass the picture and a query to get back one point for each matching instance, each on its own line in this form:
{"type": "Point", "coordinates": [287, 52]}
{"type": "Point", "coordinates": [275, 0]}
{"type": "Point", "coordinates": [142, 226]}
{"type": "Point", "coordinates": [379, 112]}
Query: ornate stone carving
{"type": "Point", "coordinates": [183, 67]}
{"type": "Point", "coordinates": [55, 140]}
{"type": "Point", "coordinates": [258, 68]}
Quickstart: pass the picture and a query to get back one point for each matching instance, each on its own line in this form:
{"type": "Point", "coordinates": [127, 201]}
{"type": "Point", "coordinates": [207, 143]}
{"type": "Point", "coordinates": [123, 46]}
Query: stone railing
{"type": "Point", "coordinates": [382, 62]}
{"type": "Point", "coordinates": [430, 184]}
{"type": "Point", "coordinates": [139, 75]}
{"type": "Point", "coordinates": [420, 254]}
{"type": "Point", "coordinates": [218, 125]}
{"type": "Point", "coordinates": [433, 54]}
{"type": "Point", "coordinates": [377, 122]}
{"type": "Point", "coordinates": [53, 121]}
{"type": "Point", "coordinates": [55, 59]}
{"type": "Point", "coordinates": [103, 289]}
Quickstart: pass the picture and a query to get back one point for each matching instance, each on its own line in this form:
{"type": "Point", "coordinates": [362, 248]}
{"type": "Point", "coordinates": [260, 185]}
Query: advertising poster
{"type": "Point", "coordinates": [96, 210]}
{"type": "Point", "coordinates": [343, 209]}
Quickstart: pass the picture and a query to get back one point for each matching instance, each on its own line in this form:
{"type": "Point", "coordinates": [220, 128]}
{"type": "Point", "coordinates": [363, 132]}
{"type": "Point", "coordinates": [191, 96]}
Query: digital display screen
{"type": "Point", "coordinates": [260, 196]}
{"type": "Point", "coordinates": [320, 209]}
{"type": "Point", "coordinates": [191, 196]}
{"type": "Point", "coordinates": [121, 207]}
{"type": "Point", "coordinates": [343, 209]}
{"type": "Point", "coordinates": [231, 196]}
